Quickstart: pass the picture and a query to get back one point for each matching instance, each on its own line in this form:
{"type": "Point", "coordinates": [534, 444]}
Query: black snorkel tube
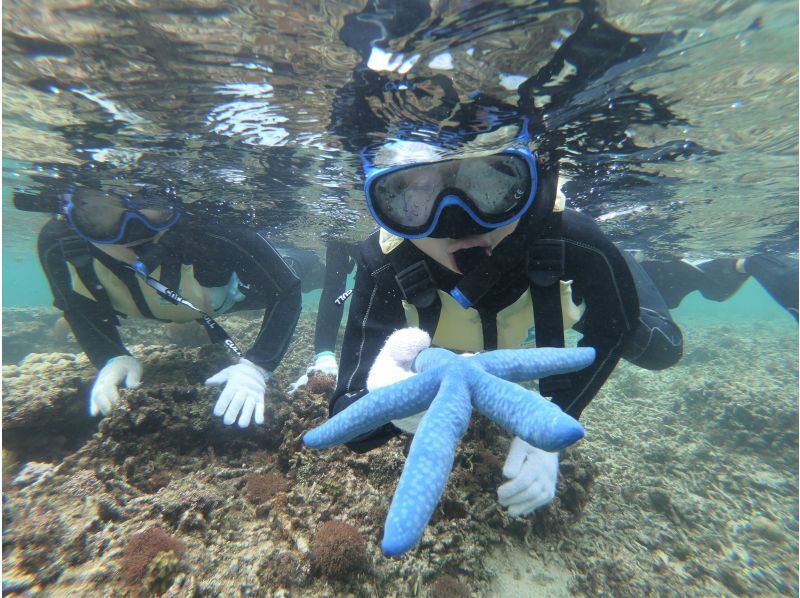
{"type": "Point", "coordinates": [43, 203]}
{"type": "Point", "coordinates": [481, 271]}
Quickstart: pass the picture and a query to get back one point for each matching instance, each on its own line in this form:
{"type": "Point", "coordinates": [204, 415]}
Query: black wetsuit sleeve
{"type": "Point", "coordinates": [339, 262]}
{"type": "Point", "coordinates": [266, 281]}
{"type": "Point", "coordinates": [93, 322]}
{"type": "Point", "coordinates": [375, 312]}
{"type": "Point", "coordinates": [602, 280]}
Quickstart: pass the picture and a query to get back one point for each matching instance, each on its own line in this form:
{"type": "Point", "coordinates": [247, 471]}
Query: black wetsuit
{"type": "Point", "coordinates": [718, 279]}
{"type": "Point", "coordinates": [214, 251]}
{"type": "Point", "coordinates": [340, 259]}
{"type": "Point", "coordinates": [624, 315]}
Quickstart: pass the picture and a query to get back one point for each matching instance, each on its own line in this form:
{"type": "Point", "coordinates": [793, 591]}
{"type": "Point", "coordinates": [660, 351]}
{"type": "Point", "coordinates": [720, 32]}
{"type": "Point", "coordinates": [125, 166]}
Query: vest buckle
{"type": "Point", "coordinates": [417, 284]}
{"type": "Point", "coordinates": [546, 262]}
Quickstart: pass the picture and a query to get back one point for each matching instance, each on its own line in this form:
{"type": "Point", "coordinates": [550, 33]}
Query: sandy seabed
{"type": "Point", "coordinates": [686, 483]}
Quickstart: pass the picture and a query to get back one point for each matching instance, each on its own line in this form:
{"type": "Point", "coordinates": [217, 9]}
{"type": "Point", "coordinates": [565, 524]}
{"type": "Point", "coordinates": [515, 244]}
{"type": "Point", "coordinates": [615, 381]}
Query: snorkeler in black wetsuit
{"type": "Point", "coordinates": [340, 260]}
{"type": "Point", "coordinates": [105, 254]}
{"type": "Point", "coordinates": [473, 237]}
{"type": "Point", "coordinates": [719, 279]}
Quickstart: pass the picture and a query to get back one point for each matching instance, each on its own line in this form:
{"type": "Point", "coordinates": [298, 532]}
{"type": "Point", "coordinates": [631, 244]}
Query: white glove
{"type": "Point", "coordinates": [104, 392]}
{"type": "Point", "coordinates": [324, 362]}
{"type": "Point", "coordinates": [532, 475]}
{"type": "Point", "coordinates": [395, 362]}
{"type": "Point", "coordinates": [245, 385]}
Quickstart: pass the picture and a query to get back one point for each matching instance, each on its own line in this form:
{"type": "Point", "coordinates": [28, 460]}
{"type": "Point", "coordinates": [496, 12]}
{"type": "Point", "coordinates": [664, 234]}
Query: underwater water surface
{"type": "Point", "coordinates": [676, 123]}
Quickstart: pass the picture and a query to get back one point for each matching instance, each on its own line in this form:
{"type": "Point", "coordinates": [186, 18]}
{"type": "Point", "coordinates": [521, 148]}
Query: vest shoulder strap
{"type": "Point", "coordinates": [417, 283]}
{"type": "Point", "coordinates": [545, 269]}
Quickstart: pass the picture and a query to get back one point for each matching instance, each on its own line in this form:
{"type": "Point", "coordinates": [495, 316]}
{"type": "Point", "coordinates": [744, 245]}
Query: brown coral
{"type": "Point", "coordinates": [143, 548]}
{"type": "Point", "coordinates": [262, 487]}
{"type": "Point", "coordinates": [321, 384]}
{"type": "Point", "coordinates": [157, 480]}
{"type": "Point", "coordinates": [447, 586]}
{"type": "Point", "coordinates": [338, 550]}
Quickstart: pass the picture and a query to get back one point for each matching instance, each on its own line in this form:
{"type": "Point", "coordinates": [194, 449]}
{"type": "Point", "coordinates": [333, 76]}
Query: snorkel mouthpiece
{"type": "Point", "coordinates": [481, 275]}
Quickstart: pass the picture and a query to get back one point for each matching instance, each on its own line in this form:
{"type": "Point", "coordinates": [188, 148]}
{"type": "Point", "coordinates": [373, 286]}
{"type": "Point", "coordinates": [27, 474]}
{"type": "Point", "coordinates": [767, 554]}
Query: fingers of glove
{"type": "Point", "coordinates": [223, 401]}
{"type": "Point", "coordinates": [258, 415]}
{"type": "Point", "coordinates": [219, 378]}
{"type": "Point", "coordinates": [516, 458]}
{"type": "Point", "coordinates": [528, 507]}
{"type": "Point", "coordinates": [134, 377]}
{"type": "Point", "coordinates": [102, 399]}
{"type": "Point", "coordinates": [519, 483]}
{"type": "Point", "coordinates": [247, 411]}
{"type": "Point", "coordinates": [301, 381]}
{"type": "Point", "coordinates": [234, 407]}
{"type": "Point", "coordinates": [534, 492]}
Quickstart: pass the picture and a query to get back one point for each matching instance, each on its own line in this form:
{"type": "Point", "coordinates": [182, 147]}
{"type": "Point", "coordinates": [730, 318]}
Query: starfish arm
{"type": "Point", "coordinates": [428, 465]}
{"type": "Point", "coordinates": [376, 409]}
{"type": "Point", "coordinates": [525, 413]}
{"type": "Point", "coordinates": [519, 365]}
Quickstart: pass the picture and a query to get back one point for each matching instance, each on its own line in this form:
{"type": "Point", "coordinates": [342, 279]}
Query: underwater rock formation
{"type": "Point", "coordinates": [731, 522]}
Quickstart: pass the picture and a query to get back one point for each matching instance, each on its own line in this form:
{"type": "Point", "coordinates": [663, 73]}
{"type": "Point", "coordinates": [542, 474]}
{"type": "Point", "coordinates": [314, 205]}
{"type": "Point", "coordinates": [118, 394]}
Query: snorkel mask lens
{"type": "Point", "coordinates": [108, 218]}
{"type": "Point", "coordinates": [493, 190]}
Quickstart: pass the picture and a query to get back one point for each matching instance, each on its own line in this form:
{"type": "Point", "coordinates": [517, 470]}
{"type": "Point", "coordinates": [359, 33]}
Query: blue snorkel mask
{"type": "Point", "coordinates": [480, 190]}
{"type": "Point", "coordinates": [108, 218]}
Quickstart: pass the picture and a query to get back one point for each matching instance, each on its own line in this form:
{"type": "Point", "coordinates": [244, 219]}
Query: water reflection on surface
{"type": "Point", "coordinates": [236, 102]}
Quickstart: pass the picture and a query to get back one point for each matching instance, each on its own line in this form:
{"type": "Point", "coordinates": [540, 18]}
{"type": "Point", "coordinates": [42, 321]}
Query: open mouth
{"type": "Point", "coordinates": [467, 252]}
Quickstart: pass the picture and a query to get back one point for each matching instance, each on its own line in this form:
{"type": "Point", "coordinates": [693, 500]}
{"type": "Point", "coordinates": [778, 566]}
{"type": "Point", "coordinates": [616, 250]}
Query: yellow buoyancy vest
{"type": "Point", "coordinates": [123, 302]}
{"type": "Point", "coordinates": [460, 329]}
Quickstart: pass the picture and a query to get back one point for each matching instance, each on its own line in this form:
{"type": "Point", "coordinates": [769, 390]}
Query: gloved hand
{"type": "Point", "coordinates": [104, 392]}
{"type": "Point", "coordinates": [245, 385]}
{"type": "Point", "coordinates": [395, 362]}
{"type": "Point", "coordinates": [532, 475]}
{"type": "Point", "coordinates": [324, 362]}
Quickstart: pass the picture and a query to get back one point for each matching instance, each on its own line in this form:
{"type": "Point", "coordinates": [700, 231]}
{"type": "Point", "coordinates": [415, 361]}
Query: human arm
{"type": "Point", "coordinates": [338, 264]}
{"type": "Point", "coordinates": [603, 281]}
{"type": "Point", "coordinates": [264, 279]}
{"type": "Point", "coordinates": [267, 283]}
{"type": "Point", "coordinates": [92, 320]}
{"type": "Point", "coordinates": [339, 261]}
{"type": "Point", "coordinates": [375, 312]}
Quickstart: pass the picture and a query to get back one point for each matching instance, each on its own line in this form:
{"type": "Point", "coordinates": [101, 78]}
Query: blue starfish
{"type": "Point", "coordinates": [449, 386]}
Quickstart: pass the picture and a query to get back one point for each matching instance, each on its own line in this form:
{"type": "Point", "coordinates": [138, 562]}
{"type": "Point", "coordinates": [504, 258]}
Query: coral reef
{"type": "Point", "coordinates": [338, 550]}
{"type": "Point", "coordinates": [665, 495]}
